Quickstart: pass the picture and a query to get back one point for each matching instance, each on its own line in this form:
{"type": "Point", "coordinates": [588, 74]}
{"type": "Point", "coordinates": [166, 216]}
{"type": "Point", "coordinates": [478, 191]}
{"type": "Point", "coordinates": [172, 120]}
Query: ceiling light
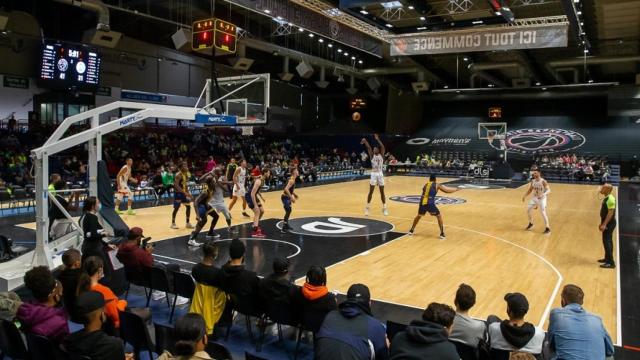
{"type": "Point", "coordinates": [389, 25]}
{"type": "Point", "coordinates": [579, 12]}
{"type": "Point", "coordinates": [446, 86]}
{"type": "Point", "coordinates": [490, 85]}
{"type": "Point", "coordinates": [544, 89]}
{"type": "Point", "coordinates": [300, 29]}
{"type": "Point", "coordinates": [410, 7]}
{"type": "Point", "coordinates": [360, 61]}
{"type": "Point", "coordinates": [421, 28]}
{"type": "Point", "coordinates": [391, 4]}
{"type": "Point", "coordinates": [339, 50]}
{"type": "Point", "coordinates": [576, 1]}
{"type": "Point", "coordinates": [498, 13]}
{"type": "Point", "coordinates": [581, 23]}
{"type": "Point", "coordinates": [346, 53]}
{"type": "Point", "coordinates": [590, 81]}
{"type": "Point", "coordinates": [330, 45]}
{"type": "Point", "coordinates": [320, 40]}
{"type": "Point", "coordinates": [478, 22]}
{"type": "Point", "coordinates": [311, 35]}
{"type": "Point", "coordinates": [586, 51]}
{"type": "Point", "coordinates": [422, 18]}
{"type": "Point", "coordinates": [458, 91]}
{"type": "Point", "coordinates": [267, 11]}
{"type": "Point", "coordinates": [465, 58]}
{"type": "Point", "coordinates": [279, 17]}
{"type": "Point", "coordinates": [538, 83]}
{"type": "Point", "coordinates": [364, 12]}
{"type": "Point", "coordinates": [353, 58]}
{"type": "Point", "coordinates": [290, 24]}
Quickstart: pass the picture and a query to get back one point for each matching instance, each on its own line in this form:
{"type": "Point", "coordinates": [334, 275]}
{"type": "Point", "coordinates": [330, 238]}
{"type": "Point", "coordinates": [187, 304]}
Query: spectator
{"type": "Point", "coordinates": [277, 287]}
{"type": "Point", "coordinates": [210, 165]}
{"type": "Point", "coordinates": [191, 339]}
{"type": "Point", "coordinates": [43, 317]}
{"type": "Point", "coordinates": [235, 280]}
{"type": "Point", "coordinates": [156, 182]}
{"type": "Point", "coordinates": [467, 330]}
{"type": "Point", "coordinates": [208, 300]}
{"type": "Point", "coordinates": [351, 332]}
{"type": "Point", "coordinates": [427, 339]}
{"type": "Point", "coordinates": [515, 333]}
{"type": "Point", "coordinates": [68, 277]}
{"type": "Point", "coordinates": [91, 341]}
{"type": "Point", "coordinates": [93, 270]}
{"type": "Point", "coordinates": [576, 334]}
{"type": "Point", "coordinates": [314, 296]}
{"type": "Point", "coordinates": [94, 234]}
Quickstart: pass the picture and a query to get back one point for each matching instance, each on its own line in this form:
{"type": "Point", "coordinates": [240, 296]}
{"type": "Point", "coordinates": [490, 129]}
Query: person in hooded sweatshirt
{"type": "Point", "coordinates": [277, 286]}
{"type": "Point", "coordinates": [427, 339]}
{"type": "Point", "coordinates": [69, 277]}
{"type": "Point", "coordinates": [44, 317]}
{"type": "Point", "coordinates": [515, 333]}
{"type": "Point", "coordinates": [351, 332]}
{"type": "Point", "coordinates": [235, 280]}
{"type": "Point", "coordinates": [314, 296]}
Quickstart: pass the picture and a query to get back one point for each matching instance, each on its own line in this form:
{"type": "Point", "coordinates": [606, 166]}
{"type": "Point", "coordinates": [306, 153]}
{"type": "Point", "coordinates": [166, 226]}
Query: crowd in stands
{"type": "Point", "coordinates": [578, 167]}
{"type": "Point", "coordinates": [345, 330]}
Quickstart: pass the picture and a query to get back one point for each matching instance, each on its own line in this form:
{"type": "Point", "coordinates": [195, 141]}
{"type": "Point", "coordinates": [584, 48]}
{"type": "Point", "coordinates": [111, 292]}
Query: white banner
{"type": "Point", "coordinates": [478, 39]}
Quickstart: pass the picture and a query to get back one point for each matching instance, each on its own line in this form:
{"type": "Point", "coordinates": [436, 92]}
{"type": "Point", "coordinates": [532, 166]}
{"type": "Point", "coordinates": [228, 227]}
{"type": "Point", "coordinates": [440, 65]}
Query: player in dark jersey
{"type": "Point", "coordinates": [181, 195]}
{"type": "Point", "coordinates": [428, 203]}
{"type": "Point", "coordinates": [231, 170]}
{"type": "Point", "coordinates": [203, 209]}
{"type": "Point", "coordinates": [255, 199]}
{"type": "Point", "coordinates": [288, 198]}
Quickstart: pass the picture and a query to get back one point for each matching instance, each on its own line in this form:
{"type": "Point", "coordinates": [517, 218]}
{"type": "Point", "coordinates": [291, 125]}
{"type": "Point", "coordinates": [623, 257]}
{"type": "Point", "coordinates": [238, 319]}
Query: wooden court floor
{"type": "Point", "coordinates": [486, 246]}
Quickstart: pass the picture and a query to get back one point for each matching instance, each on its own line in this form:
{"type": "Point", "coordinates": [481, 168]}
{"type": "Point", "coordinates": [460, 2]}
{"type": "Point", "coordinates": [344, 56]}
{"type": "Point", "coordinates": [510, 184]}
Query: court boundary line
{"type": "Point", "coordinates": [618, 290]}
{"type": "Point", "coordinates": [547, 310]}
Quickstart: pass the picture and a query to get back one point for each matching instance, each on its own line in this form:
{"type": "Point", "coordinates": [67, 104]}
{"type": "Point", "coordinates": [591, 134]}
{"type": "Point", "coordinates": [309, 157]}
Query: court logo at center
{"type": "Point", "coordinates": [440, 200]}
{"type": "Point", "coordinates": [337, 226]}
{"type": "Point", "coordinates": [541, 141]}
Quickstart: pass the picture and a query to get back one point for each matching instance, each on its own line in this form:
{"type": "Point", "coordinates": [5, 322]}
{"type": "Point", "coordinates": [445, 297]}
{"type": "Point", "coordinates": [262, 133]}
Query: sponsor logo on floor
{"type": "Point", "coordinates": [338, 226]}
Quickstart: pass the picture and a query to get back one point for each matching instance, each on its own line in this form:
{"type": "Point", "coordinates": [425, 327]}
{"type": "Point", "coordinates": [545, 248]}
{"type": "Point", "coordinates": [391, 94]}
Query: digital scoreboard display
{"type": "Point", "coordinates": [495, 113]}
{"type": "Point", "coordinates": [216, 33]}
{"type": "Point", "coordinates": [66, 66]}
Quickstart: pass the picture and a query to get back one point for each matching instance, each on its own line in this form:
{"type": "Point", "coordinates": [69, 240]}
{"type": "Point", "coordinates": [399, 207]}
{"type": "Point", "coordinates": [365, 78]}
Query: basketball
{"type": "Point", "coordinates": [356, 116]}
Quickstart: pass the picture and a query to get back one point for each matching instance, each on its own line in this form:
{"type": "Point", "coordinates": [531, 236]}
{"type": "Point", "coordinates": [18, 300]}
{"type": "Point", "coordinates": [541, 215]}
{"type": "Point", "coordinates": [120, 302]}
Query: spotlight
{"type": "Point", "coordinates": [320, 40]}
{"type": "Point", "coordinates": [300, 29]}
{"type": "Point", "coordinates": [465, 58]}
{"type": "Point", "coordinates": [410, 7]}
{"type": "Point", "coordinates": [364, 12]}
{"type": "Point", "coordinates": [330, 45]}
{"type": "Point", "coordinates": [579, 12]}
{"type": "Point", "coordinates": [422, 18]}
{"type": "Point", "coordinates": [586, 51]}
{"type": "Point", "coordinates": [389, 25]}
{"type": "Point", "coordinates": [446, 86]}
{"type": "Point", "coordinates": [353, 58]}
{"type": "Point", "coordinates": [538, 83]}
{"type": "Point", "coordinates": [590, 81]}
{"type": "Point", "coordinates": [346, 53]}
{"type": "Point", "coordinates": [267, 11]}
{"type": "Point", "coordinates": [339, 50]}
{"type": "Point", "coordinates": [544, 89]}
{"type": "Point", "coordinates": [311, 35]}
{"type": "Point", "coordinates": [360, 61]}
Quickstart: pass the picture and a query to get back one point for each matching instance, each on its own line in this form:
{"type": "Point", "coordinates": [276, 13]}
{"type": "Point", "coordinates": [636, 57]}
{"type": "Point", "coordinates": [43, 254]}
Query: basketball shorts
{"type": "Point", "coordinates": [222, 209]}
{"type": "Point", "coordinates": [249, 200]}
{"type": "Point", "coordinates": [432, 209]}
{"type": "Point", "coordinates": [542, 203]}
{"type": "Point", "coordinates": [123, 191]}
{"type": "Point", "coordinates": [239, 191]}
{"type": "Point", "coordinates": [286, 201]}
{"type": "Point", "coordinates": [180, 198]}
{"type": "Point", "coordinates": [377, 179]}
{"type": "Point", "coordinates": [203, 210]}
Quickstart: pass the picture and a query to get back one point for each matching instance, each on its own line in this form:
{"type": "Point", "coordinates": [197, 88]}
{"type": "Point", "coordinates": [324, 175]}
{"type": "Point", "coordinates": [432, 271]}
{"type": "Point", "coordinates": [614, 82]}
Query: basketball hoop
{"type": "Point", "coordinates": [491, 135]}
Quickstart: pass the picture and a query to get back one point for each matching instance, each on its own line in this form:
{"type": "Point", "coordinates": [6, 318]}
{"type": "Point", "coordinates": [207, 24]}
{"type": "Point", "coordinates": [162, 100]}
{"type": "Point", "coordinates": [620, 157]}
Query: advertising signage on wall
{"type": "Point", "coordinates": [488, 39]}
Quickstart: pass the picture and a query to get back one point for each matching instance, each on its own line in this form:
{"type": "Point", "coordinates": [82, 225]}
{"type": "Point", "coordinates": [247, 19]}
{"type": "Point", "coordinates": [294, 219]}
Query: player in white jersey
{"type": "Point", "coordinates": [540, 189]}
{"type": "Point", "coordinates": [240, 187]}
{"type": "Point", "coordinates": [122, 183]}
{"type": "Point", "coordinates": [217, 200]}
{"type": "Point", "coordinates": [377, 178]}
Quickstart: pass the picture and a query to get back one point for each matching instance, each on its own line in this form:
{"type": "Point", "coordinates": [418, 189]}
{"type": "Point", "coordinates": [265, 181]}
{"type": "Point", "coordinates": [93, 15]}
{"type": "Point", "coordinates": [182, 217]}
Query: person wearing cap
{"type": "Point", "coordinates": [427, 338]}
{"type": "Point", "coordinates": [235, 279]}
{"type": "Point", "coordinates": [43, 316]}
{"type": "Point", "coordinates": [351, 332]}
{"type": "Point", "coordinates": [576, 334]}
{"type": "Point", "coordinates": [91, 341]}
{"type": "Point", "coordinates": [277, 286]}
{"type": "Point", "coordinates": [607, 225]}
{"type": "Point", "coordinates": [515, 334]}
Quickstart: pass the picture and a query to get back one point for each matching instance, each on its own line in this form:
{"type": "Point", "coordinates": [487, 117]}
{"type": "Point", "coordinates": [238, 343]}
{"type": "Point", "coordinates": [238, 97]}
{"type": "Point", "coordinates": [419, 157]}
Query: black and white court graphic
{"type": "Point", "coordinates": [440, 200]}
{"type": "Point", "coordinates": [418, 141]}
{"type": "Point", "coordinates": [541, 141]}
{"type": "Point", "coordinates": [343, 226]}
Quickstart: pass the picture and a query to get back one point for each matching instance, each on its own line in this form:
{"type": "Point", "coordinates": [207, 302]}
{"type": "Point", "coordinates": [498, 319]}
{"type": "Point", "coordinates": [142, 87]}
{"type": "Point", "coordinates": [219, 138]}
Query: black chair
{"type": "Point", "coordinates": [137, 278]}
{"type": "Point", "coordinates": [41, 348]}
{"type": "Point", "coordinates": [250, 356]}
{"type": "Point", "coordinates": [134, 331]}
{"type": "Point", "coordinates": [278, 312]}
{"type": "Point", "coordinates": [393, 328]}
{"type": "Point", "coordinates": [465, 351]}
{"type": "Point", "coordinates": [218, 351]}
{"type": "Point", "coordinates": [165, 339]}
{"type": "Point", "coordinates": [247, 306]}
{"type": "Point", "coordinates": [183, 285]}
{"type": "Point", "coordinates": [159, 281]}
{"type": "Point", "coordinates": [311, 321]}
{"type": "Point", "coordinates": [11, 343]}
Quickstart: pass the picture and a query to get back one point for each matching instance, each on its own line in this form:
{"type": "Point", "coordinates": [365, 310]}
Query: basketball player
{"type": "Point", "coordinates": [377, 178]}
{"type": "Point", "coordinates": [288, 198]}
{"type": "Point", "coordinates": [122, 181]}
{"type": "Point", "coordinates": [181, 195]}
{"type": "Point", "coordinates": [239, 186]}
{"type": "Point", "coordinates": [217, 200]}
{"type": "Point", "coordinates": [540, 189]}
{"type": "Point", "coordinates": [231, 170]}
{"type": "Point", "coordinates": [203, 209]}
{"type": "Point", "coordinates": [428, 203]}
{"type": "Point", "coordinates": [255, 199]}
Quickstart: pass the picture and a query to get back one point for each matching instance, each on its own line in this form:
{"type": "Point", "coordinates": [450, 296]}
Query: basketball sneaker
{"type": "Point", "coordinates": [529, 226]}
{"type": "Point", "coordinates": [547, 231]}
{"type": "Point", "coordinates": [384, 210]}
{"type": "Point", "coordinates": [189, 226]}
{"type": "Point", "coordinates": [118, 211]}
{"type": "Point", "coordinates": [212, 236]}
{"type": "Point", "coordinates": [442, 237]}
{"type": "Point", "coordinates": [131, 212]}
{"type": "Point", "coordinates": [244, 213]}
{"type": "Point", "coordinates": [258, 233]}
{"type": "Point", "coordinates": [285, 228]}
{"type": "Point", "coordinates": [410, 233]}
{"type": "Point", "coordinates": [193, 242]}
{"type": "Point", "coordinates": [366, 211]}
{"type": "Point", "coordinates": [174, 226]}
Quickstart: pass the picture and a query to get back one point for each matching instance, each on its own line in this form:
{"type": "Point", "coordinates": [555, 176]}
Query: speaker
{"type": "Point", "coordinates": [352, 90]}
{"type": "Point", "coordinates": [304, 70]}
{"type": "Point", "coordinates": [322, 84]}
{"type": "Point", "coordinates": [182, 39]}
{"type": "Point", "coordinates": [285, 76]}
{"type": "Point", "coordinates": [419, 86]}
{"type": "Point", "coordinates": [520, 83]}
{"type": "Point", "coordinates": [241, 63]}
{"type": "Point", "coordinates": [4, 19]}
{"type": "Point", "coordinates": [108, 39]}
{"type": "Point", "coordinates": [373, 83]}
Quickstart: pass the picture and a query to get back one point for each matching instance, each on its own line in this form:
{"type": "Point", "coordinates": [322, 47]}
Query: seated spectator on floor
{"type": "Point", "coordinates": [575, 333]}
{"type": "Point", "coordinates": [92, 272]}
{"type": "Point", "coordinates": [515, 334]}
{"type": "Point", "coordinates": [277, 286]}
{"type": "Point", "coordinates": [466, 329]}
{"type": "Point", "coordinates": [91, 341]}
{"type": "Point", "coordinates": [427, 339]}
{"type": "Point", "coordinates": [351, 332]}
{"type": "Point", "coordinates": [208, 299]}
{"type": "Point", "coordinates": [71, 259]}
{"type": "Point", "coordinates": [235, 280]}
{"type": "Point", "coordinates": [191, 339]}
{"type": "Point", "coordinates": [314, 296]}
{"type": "Point", "coordinates": [43, 316]}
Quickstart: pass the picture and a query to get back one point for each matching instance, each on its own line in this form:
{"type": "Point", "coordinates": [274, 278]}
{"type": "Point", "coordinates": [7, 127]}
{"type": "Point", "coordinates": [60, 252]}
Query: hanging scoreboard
{"type": "Point", "coordinates": [210, 33]}
{"type": "Point", "coordinates": [225, 36]}
{"type": "Point", "coordinates": [202, 34]}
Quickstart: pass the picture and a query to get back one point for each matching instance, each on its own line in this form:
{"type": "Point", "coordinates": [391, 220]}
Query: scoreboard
{"type": "Point", "coordinates": [217, 33]}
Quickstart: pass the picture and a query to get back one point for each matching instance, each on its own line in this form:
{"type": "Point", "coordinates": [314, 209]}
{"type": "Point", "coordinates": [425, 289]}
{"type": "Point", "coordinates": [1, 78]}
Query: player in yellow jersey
{"type": "Point", "coordinates": [428, 203]}
{"type": "Point", "coordinates": [181, 195]}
